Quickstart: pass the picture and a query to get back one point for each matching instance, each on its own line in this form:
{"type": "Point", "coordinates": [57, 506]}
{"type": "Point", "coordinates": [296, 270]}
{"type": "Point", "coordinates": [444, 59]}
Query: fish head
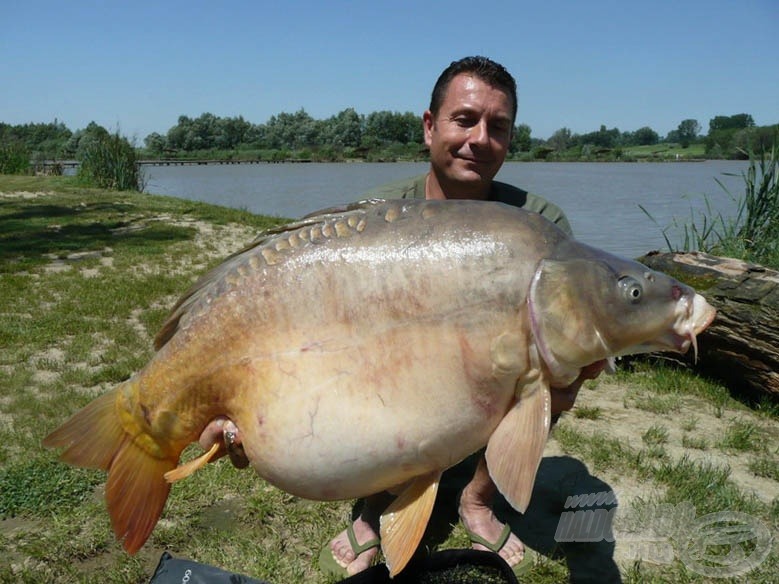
{"type": "Point", "coordinates": [591, 306]}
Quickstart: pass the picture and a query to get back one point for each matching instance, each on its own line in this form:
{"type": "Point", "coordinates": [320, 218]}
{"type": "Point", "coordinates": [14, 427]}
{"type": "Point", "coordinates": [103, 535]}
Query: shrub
{"type": "Point", "coordinates": [14, 159]}
{"type": "Point", "coordinates": [110, 162]}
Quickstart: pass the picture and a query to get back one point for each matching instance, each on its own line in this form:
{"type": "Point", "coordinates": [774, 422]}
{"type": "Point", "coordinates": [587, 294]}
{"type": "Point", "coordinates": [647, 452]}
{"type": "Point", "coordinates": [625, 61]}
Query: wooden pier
{"type": "Point", "coordinates": [52, 166]}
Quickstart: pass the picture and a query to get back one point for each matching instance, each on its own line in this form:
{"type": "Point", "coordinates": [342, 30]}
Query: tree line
{"type": "Point", "coordinates": [382, 135]}
{"type": "Point", "coordinates": [727, 137]}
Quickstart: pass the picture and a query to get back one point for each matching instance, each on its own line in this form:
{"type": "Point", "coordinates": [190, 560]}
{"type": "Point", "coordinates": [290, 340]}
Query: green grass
{"type": "Point", "coordinates": [694, 442]}
{"type": "Point", "coordinates": [655, 435]}
{"type": "Point", "coordinates": [588, 412]}
{"type": "Point", "coordinates": [742, 435]}
{"type": "Point", "coordinates": [765, 466]}
{"type": "Point", "coordinates": [697, 486]}
{"type": "Point", "coordinates": [41, 486]}
{"type": "Point", "coordinates": [665, 151]}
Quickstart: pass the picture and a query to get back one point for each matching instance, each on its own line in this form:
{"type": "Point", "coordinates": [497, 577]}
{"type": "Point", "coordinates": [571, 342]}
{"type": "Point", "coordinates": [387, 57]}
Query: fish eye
{"type": "Point", "coordinates": [631, 289]}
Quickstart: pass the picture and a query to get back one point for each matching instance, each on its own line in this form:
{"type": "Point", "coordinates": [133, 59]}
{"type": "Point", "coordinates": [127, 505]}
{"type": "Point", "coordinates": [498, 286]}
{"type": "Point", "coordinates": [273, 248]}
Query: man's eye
{"type": "Point", "coordinates": [465, 122]}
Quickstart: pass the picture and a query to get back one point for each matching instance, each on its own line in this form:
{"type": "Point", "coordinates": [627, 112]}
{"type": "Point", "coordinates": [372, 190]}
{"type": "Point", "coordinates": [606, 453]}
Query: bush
{"type": "Point", "coordinates": [14, 159]}
{"type": "Point", "coordinates": [110, 162]}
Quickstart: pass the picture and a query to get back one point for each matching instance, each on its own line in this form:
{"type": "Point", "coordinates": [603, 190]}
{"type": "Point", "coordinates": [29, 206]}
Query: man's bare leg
{"type": "Point", "coordinates": [478, 495]}
{"type": "Point", "coordinates": [477, 516]}
{"type": "Point", "coordinates": [366, 528]}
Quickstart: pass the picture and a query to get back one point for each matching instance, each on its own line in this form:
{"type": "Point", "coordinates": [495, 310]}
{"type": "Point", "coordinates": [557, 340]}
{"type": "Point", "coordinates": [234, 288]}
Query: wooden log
{"type": "Point", "coordinates": [741, 346]}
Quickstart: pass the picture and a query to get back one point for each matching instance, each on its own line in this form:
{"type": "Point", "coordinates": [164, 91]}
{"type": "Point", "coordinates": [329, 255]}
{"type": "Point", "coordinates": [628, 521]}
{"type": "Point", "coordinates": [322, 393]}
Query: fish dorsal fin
{"type": "Point", "coordinates": [267, 245]}
{"type": "Point", "coordinates": [516, 446]}
{"type": "Point", "coordinates": [404, 522]}
{"type": "Point", "coordinates": [338, 209]}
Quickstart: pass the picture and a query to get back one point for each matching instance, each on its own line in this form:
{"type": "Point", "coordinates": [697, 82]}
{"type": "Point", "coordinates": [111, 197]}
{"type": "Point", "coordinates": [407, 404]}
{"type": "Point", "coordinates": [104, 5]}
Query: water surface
{"type": "Point", "coordinates": [601, 199]}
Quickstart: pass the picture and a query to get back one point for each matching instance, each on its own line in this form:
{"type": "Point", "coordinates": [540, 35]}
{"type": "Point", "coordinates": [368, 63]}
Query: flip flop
{"type": "Point", "coordinates": [328, 563]}
{"type": "Point", "coordinates": [527, 560]}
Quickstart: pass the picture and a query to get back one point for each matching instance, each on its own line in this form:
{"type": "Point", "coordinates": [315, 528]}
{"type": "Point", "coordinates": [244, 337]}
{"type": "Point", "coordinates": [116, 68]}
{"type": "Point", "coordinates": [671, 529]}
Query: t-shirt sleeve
{"type": "Point", "coordinates": [548, 210]}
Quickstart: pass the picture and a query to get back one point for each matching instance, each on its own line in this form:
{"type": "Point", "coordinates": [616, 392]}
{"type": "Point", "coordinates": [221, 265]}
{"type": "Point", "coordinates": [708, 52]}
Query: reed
{"type": "Point", "coordinates": [752, 232]}
{"type": "Point", "coordinates": [110, 162]}
{"type": "Point", "coordinates": [14, 159]}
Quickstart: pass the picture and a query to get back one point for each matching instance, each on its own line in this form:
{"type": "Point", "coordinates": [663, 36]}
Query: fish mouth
{"type": "Point", "coordinates": [692, 318]}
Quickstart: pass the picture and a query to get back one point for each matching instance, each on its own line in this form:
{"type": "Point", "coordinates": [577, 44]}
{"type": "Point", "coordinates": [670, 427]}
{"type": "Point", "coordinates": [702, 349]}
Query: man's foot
{"type": "Point", "coordinates": [487, 533]}
{"type": "Point", "coordinates": [351, 551]}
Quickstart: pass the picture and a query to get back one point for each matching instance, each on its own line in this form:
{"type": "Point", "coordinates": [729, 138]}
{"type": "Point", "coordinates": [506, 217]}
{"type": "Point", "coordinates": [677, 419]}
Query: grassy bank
{"type": "Point", "coordinates": [87, 277]}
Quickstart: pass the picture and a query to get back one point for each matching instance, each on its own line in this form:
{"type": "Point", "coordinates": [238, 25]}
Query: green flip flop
{"type": "Point", "coordinates": [330, 566]}
{"type": "Point", "coordinates": [527, 560]}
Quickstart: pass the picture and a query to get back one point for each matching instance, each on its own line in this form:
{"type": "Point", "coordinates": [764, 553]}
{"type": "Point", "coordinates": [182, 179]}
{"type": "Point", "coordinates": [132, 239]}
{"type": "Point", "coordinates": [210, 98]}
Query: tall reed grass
{"type": "Point", "coordinates": [752, 232]}
{"type": "Point", "coordinates": [110, 162]}
{"type": "Point", "coordinates": [14, 159]}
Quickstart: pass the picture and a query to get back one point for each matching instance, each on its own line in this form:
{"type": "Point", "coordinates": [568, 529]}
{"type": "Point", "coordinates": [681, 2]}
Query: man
{"type": "Point", "coordinates": [468, 130]}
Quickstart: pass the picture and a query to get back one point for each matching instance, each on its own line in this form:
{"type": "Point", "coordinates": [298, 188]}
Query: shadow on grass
{"type": "Point", "coordinates": [559, 478]}
{"type": "Point", "coordinates": [33, 232]}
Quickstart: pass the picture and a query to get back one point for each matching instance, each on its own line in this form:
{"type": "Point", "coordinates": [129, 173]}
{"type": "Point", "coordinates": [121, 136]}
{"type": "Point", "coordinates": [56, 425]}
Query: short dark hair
{"type": "Point", "coordinates": [485, 69]}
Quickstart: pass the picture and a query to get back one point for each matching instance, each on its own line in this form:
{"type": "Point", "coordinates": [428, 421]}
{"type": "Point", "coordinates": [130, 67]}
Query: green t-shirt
{"type": "Point", "coordinates": [414, 188]}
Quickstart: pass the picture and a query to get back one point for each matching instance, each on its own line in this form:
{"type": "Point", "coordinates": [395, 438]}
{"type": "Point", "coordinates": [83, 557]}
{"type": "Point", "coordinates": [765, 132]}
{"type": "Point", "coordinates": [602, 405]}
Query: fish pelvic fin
{"type": "Point", "coordinates": [136, 490]}
{"type": "Point", "coordinates": [186, 469]}
{"type": "Point", "coordinates": [404, 522]}
{"type": "Point", "coordinates": [516, 446]}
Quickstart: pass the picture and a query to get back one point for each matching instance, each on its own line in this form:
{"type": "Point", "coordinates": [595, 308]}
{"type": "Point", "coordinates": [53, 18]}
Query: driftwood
{"type": "Point", "coordinates": [741, 347]}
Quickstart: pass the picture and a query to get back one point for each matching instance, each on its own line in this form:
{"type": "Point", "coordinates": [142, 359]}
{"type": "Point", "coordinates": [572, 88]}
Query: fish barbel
{"type": "Point", "coordinates": [371, 348]}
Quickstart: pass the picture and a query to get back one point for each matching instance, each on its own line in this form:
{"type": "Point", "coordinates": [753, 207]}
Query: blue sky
{"type": "Point", "coordinates": [137, 66]}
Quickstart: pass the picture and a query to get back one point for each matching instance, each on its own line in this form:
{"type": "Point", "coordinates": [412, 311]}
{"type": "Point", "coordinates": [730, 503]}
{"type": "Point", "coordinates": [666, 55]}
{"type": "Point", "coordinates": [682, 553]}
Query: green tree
{"type": "Point", "coordinates": [82, 139]}
{"type": "Point", "coordinates": [561, 140]}
{"type": "Point", "coordinates": [155, 143]}
{"type": "Point", "coordinates": [40, 140]}
{"type": "Point", "coordinates": [520, 139]}
{"type": "Point", "coordinates": [687, 132]}
{"type": "Point", "coordinates": [736, 122]}
{"type": "Point", "coordinates": [723, 131]}
{"type": "Point", "coordinates": [413, 128]}
{"type": "Point", "coordinates": [645, 136]}
{"type": "Point", "coordinates": [385, 127]}
{"type": "Point", "coordinates": [603, 138]}
{"type": "Point", "coordinates": [293, 131]}
{"type": "Point", "coordinates": [176, 136]}
{"type": "Point", "coordinates": [230, 133]}
{"type": "Point", "coordinates": [202, 133]}
{"type": "Point", "coordinates": [344, 129]}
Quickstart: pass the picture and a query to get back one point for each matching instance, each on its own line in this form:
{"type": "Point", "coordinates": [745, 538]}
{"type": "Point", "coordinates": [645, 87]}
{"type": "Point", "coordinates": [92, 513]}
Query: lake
{"type": "Point", "coordinates": [601, 199]}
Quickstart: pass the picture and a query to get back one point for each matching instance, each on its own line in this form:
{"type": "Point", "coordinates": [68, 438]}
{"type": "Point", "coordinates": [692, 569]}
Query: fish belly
{"type": "Point", "coordinates": [351, 418]}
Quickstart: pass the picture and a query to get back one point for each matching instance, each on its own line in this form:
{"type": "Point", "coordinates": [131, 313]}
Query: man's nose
{"type": "Point", "coordinates": [480, 133]}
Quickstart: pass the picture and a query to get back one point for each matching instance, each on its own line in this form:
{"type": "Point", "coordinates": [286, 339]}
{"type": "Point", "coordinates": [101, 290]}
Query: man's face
{"type": "Point", "coordinates": [469, 138]}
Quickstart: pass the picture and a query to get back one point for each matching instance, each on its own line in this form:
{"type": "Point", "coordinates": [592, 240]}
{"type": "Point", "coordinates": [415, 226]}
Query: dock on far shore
{"type": "Point", "coordinates": [51, 166]}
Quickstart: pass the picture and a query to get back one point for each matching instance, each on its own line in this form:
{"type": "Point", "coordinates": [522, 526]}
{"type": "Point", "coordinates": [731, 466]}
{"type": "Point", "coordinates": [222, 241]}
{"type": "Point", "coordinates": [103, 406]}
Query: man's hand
{"type": "Point", "coordinates": [564, 397]}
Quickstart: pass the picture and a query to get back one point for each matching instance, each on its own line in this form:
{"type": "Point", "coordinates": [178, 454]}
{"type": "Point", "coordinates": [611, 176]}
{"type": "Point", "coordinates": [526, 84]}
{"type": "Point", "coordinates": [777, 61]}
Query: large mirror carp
{"type": "Point", "coordinates": [371, 348]}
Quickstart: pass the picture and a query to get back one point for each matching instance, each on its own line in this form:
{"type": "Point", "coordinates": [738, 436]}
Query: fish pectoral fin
{"type": "Point", "coordinates": [516, 446]}
{"type": "Point", "coordinates": [404, 522]}
{"type": "Point", "coordinates": [183, 471]}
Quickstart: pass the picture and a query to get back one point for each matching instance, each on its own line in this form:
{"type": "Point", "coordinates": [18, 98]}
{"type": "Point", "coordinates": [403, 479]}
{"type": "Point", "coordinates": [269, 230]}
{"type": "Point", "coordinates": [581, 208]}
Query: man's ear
{"type": "Point", "coordinates": [427, 125]}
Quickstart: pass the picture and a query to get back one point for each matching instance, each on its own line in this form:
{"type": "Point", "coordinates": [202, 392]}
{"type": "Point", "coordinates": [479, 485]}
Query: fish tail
{"type": "Point", "coordinates": [136, 490]}
{"type": "Point", "coordinates": [92, 436]}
